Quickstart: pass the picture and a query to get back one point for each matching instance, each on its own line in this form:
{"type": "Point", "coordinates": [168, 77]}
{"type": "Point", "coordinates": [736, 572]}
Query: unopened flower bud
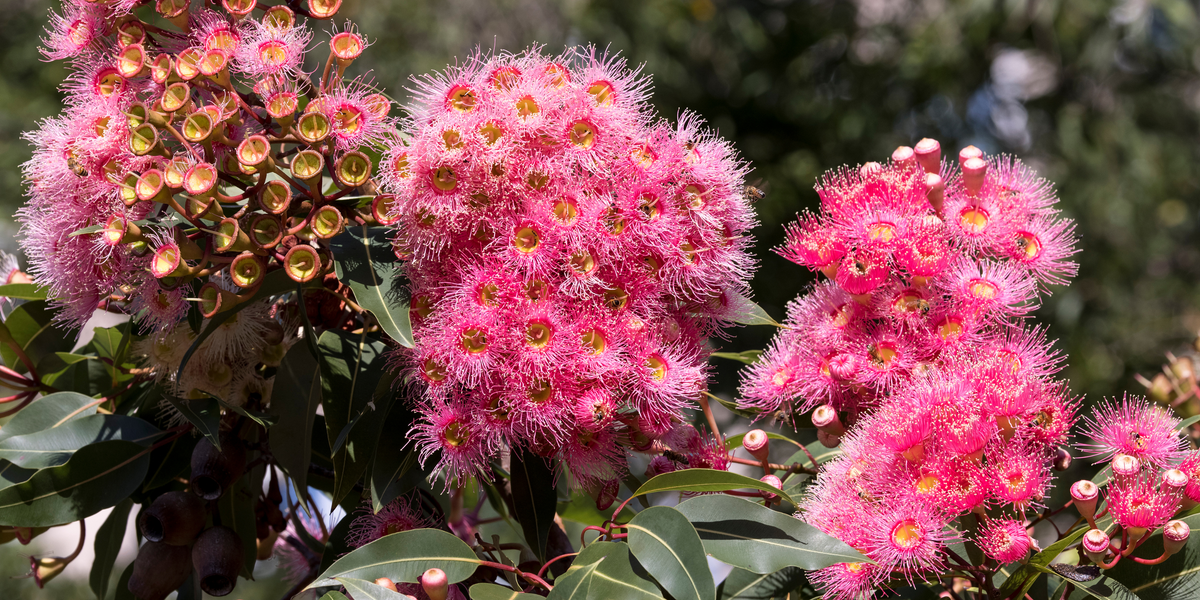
{"type": "Point", "coordinates": [968, 153]}
{"type": "Point", "coordinates": [1084, 495]}
{"type": "Point", "coordinates": [935, 191]}
{"type": "Point", "coordinates": [1125, 466]}
{"type": "Point", "coordinates": [757, 444]}
{"type": "Point", "coordinates": [904, 156]}
{"type": "Point", "coordinates": [1062, 459]}
{"type": "Point", "coordinates": [608, 494]}
{"type": "Point", "coordinates": [1175, 536]}
{"type": "Point", "coordinates": [774, 482]}
{"type": "Point", "coordinates": [929, 155]}
{"type": "Point", "coordinates": [384, 582]}
{"type": "Point", "coordinates": [974, 171]}
{"type": "Point", "coordinates": [1095, 545]}
{"type": "Point", "coordinates": [828, 440]}
{"type": "Point", "coordinates": [435, 584]}
{"type": "Point", "coordinates": [870, 169]}
{"type": "Point", "coordinates": [825, 419]}
{"type": "Point", "coordinates": [1173, 482]}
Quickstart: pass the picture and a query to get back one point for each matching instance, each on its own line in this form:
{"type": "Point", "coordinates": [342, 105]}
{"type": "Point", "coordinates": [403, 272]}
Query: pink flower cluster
{"type": "Point", "coordinates": [1151, 477]}
{"type": "Point", "coordinates": [917, 353]}
{"type": "Point", "coordinates": [568, 254]}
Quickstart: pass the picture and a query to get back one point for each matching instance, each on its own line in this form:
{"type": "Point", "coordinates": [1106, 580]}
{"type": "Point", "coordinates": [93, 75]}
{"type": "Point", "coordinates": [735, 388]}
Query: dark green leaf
{"type": "Point", "coordinates": [392, 472]}
{"type": "Point", "coordinates": [746, 357]}
{"type": "Point", "coordinates": [745, 585]}
{"type": "Point", "coordinates": [361, 589]}
{"type": "Point", "coordinates": [30, 326]}
{"type": "Point", "coordinates": [48, 412]}
{"type": "Point", "coordinates": [491, 591]}
{"type": "Point", "coordinates": [356, 395]}
{"type": "Point", "coordinates": [604, 571]}
{"type": "Point", "coordinates": [23, 291]}
{"type": "Point", "coordinates": [97, 477]}
{"type": "Point", "coordinates": [107, 544]}
{"type": "Point", "coordinates": [336, 547]}
{"type": "Point", "coordinates": [534, 498]}
{"type": "Point", "coordinates": [365, 261]}
{"type": "Point", "coordinates": [169, 461]}
{"type": "Point", "coordinates": [236, 507]}
{"type": "Point", "coordinates": [53, 447]}
{"type": "Point", "coordinates": [334, 595]}
{"type": "Point", "coordinates": [744, 311]}
{"type": "Point", "coordinates": [123, 592]}
{"type": "Point", "coordinates": [294, 399]}
{"type": "Point", "coordinates": [403, 557]}
{"type": "Point", "coordinates": [203, 413]}
{"type": "Point", "coordinates": [52, 366]}
{"type": "Point", "coordinates": [747, 535]}
{"type": "Point", "coordinates": [704, 480]}
{"type": "Point", "coordinates": [670, 549]}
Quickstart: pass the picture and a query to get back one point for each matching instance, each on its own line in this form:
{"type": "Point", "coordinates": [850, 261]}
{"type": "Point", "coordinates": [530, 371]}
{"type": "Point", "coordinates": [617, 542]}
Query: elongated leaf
{"type": "Point", "coordinates": [667, 545]}
{"type": "Point", "coordinates": [746, 357]}
{"type": "Point", "coordinates": [1177, 578]}
{"type": "Point", "coordinates": [53, 447]}
{"type": "Point", "coordinates": [582, 509]}
{"type": "Point", "coordinates": [52, 366]}
{"type": "Point", "coordinates": [123, 592]}
{"type": "Point", "coordinates": [333, 595]}
{"type": "Point", "coordinates": [704, 480]}
{"type": "Point", "coordinates": [203, 413]}
{"type": "Point", "coordinates": [100, 227]}
{"type": "Point", "coordinates": [107, 544]}
{"type": "Point", "coordinates": [1188, 422]}
{"type": "Point", "coordinates": [534, 498]}
{"type": "Point", "coordinates": [491, 591]}
{"type": "Point", "coordinates": [48, 412]}
{"type": "Point", "coordinates": [365, 261]}
{"type": "Point", "coordinates": [236, 507]}
{"type": "Point", "coordinates": [603, 571]}
{"type": "Point", "coordinates": [356, 397]}
{"type": "Point", "coordinates": [97, 477]}
{"type": "Point", "coordinates": [733, 407]}
{"type": "Point", "coordinates": [31, 327]}
{"type": "Point", "coordinates": [23, 291]}
{"type": "Point", "coordinates": [361, 589]}
{"type": "Point", "coordinates": [294, 400]}
{"type": "Point", "coordinates": [1025, 576]}
{"type": "Point", "coordinates": [745, 585]}
{"type": "Point", "coordinates": [392, 472]}
{"type": "Point", "coordinates": [744, 311]}
{"type": "Point", "coordinates": [404, 557]}
{"type": "Point", "coordinates": [758, 539]}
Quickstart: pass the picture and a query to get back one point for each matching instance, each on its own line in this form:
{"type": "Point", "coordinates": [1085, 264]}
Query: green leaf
{"type": "Point", "coordinates": [203, 413]}
{"type": "Point", "coordinates": [55, 446]}
{"type": "Point", "coordinates": [364, 260]}
{"type": "Point", "coordinates": [403, 557]}
{"type": "Point", "coordinates": [23, 291]}
{"type": "Point", "coordinates": [582, 509]}
{"type": "Point", "coordinates": [747, 357]}
{"type": "Point", "coordinates": [31, 327]}
{"type": "Point", "coordinates": [123, 592]}
{"type": "Point", "coordinates": [170, 461]}
{"type": "Point", "coordinates": [1103, 587]}
{"type": "Point", "coordinates": [732, 407]}
{"type": "Point", "coordinates": [491, 591]}
{"type": "Point", "coordinates": [295, 396]}
{"type": "Point", "coordinates": [334, 595]}
{"type": "Point", "coordinates": [52, 366]}
{"type": "Point", "coordinates": [236, 507]}
{"type": "Point", "coordinates": [356, 396]}
{"type": "Point", "coordinates": [1025, 576]}
{"type": "Point", "coordinates": [604, 571]}
{"type": "Point", "coordinates": [1188, 422]}
{"type": "Point", "coordinates": [753, 537]}
{"type": "Point", "coordinates": [746, 585]}
{"type": "Point", "coordinates": [97, 476]}
{"type": "Point", "coordinates": [49, 412]}
{"type": "Point", "coordinates": [744, 311]}
{"type": "Point", "coordinates": [534, 498]}
{"type": "Point", "coordinates": [107, 544]}
{"type": "Point", "coordinates": [704, 480]}
{"type": "Point", "coordinates": [392, 472]}
{"type": "Point", "coordinates": [100, 227]}
{"type": "Point", "coordinates": [1177, 578]}
{"type": "Point", "coordinates": [361, 589]}
{"type": "Point", "coordinates": [667, 545]}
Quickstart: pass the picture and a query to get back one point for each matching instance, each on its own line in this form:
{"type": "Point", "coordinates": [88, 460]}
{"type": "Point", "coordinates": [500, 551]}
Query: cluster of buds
{"type": "Point", "coordinates": [568, 253]}
{"type": "Point", "coordinates": [191, 163]}
{"type": "Point", "coordinates": [917, 360]}
{"type": "Point", "coordinates": [1151, 478]}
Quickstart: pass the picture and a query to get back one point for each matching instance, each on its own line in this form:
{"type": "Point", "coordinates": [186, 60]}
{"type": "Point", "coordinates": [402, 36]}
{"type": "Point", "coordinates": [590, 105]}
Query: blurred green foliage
{"type": "Point", "coordinates": [1101, 97]}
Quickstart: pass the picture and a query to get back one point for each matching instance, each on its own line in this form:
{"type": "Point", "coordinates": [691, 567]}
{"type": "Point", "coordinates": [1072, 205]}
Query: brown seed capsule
{"type": "Point", "coordinates": [217, 557]}
{"type": "Point", "coordinates": [213, 471]}
{"type": "Point", "coordinates": [174, 518]}
{"type": "Point", "coordinates": [158, 570]}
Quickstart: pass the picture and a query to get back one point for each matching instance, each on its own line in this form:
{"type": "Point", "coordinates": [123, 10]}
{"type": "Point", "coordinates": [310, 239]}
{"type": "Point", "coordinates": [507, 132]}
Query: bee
{"type": "Point", "coordinates": [76, 166]}
{"type": "Point", "coordinates": [754, 194]}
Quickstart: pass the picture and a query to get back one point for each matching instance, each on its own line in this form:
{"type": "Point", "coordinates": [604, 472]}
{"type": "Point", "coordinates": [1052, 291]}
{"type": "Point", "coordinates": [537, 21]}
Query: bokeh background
{"type": "Point", "coordinates": [1103, 98]}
